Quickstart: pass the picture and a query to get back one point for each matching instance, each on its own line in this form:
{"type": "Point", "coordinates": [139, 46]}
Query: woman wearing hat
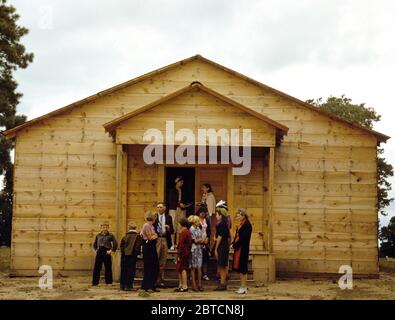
{"type": "Point", "coordinates": [241, 246]}
{"type": "Point", "coordinates": [221, 250]}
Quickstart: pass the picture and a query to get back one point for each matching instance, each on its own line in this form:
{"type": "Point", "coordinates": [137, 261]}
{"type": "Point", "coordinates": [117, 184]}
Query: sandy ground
{"type": "Point", "coordinates": [76, 288]}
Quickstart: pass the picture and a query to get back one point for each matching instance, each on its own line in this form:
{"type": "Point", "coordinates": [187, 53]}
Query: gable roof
{"type": "Point", "coordinates": [195, 86]}
{"type": "Point", "coordinates": [12, 132]}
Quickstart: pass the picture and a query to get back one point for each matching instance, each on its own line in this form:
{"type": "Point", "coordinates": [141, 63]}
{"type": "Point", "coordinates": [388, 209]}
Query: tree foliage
{"type": "Point", "coordinates": [365, 116]}
{"type": "Point", "coordinates": [387, 238]}
{"type": "Point", "coordinates": [13, 55]}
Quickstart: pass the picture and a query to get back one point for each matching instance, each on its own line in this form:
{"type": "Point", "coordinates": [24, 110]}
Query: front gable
{"type": "Point", "coordinates": [190, 109]}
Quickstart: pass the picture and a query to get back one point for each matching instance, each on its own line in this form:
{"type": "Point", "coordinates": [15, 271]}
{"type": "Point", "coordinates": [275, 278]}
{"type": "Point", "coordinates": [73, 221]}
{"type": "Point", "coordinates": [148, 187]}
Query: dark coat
{"type": "Point", "coordinates": [244, 245]}
{"type": "Point", "coordinates": [172, 199]}
{"type": "Point", "coordinates": [170, 231]}
{"type": "Point", "coordinates": [131, 243]}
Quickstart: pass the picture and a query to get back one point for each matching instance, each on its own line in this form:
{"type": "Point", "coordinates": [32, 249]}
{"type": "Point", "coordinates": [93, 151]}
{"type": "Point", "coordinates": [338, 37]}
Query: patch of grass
{"type": "Point", "coordinates": [4, 259]}
{"type": "Point", "coordinates": [387, 265]}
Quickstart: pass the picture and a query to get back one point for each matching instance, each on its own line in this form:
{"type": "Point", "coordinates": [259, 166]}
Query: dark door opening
{"type": "Point", "coordinates": [188, 189]}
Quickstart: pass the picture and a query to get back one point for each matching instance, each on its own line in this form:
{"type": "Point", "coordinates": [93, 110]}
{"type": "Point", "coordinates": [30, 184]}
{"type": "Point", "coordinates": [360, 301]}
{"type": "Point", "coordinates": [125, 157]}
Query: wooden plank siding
{"type": "Point", "coordinates": [324, 188]}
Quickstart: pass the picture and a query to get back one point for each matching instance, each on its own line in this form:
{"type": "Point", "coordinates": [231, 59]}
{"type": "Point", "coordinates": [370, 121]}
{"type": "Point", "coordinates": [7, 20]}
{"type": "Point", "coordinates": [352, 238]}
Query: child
{"type": "Point", "coordinates": [196, 250]}
{"type": "Point", "coordinates": [150, 255]}
{"type": "Point", "coordinates": [104, 244]}
{"type": "Point", "coordinates": [184, 253]}
{"type": "Point", "coordinates": [130, 249]}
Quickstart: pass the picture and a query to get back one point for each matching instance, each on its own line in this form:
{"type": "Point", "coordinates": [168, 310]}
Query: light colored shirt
{"type": "Point", "coordinates": [161, 224]}
{"type": "Point", "coordinates": [210, 202]}
{"type": "Point", "coordinates": [147, 231]}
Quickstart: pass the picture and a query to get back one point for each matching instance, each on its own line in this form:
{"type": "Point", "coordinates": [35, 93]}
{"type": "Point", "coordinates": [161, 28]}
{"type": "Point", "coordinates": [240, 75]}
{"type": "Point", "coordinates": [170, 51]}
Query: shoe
{"type": "Point", "coordinates": [156, 290]}
{"type": "Point", "coordinates": [181, 290]}
{"type": "Point", "coordinates": [195, 289]}
{"type": "Point", "coordinates": [205, 277]}
{"type": "Point", "coordinates": [220, 288]}
{"type": "Point", "coordinates": [200, 289]}
{"type": "Point", "coordinates": [149, 290]}
{"type": "Point", "coordinates": [162, 285]}
{"type": "Point", "coordinates": [242, 290]}
{"type": "Point", "coordinates": [172, 248]}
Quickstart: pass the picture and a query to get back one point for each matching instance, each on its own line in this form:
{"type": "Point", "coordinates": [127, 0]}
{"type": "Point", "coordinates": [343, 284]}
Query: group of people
{"type": "Point", "coordinates": [196, 238]}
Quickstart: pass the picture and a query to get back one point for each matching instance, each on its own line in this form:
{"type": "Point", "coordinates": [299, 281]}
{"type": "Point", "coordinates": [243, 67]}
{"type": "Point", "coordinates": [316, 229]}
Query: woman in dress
{"type": "Point", "coordinates": [206, 231]}
{"type": "Point", "coordinates": [150, 256]}
{"type": "Point", "coordinates": [241, 246]}
{"type": "Point", "coordinates": [183, 254]}
{"type": "Point", "coordinates": [197, 252]}
{"type": "Point", "coordinates": [222, 246]}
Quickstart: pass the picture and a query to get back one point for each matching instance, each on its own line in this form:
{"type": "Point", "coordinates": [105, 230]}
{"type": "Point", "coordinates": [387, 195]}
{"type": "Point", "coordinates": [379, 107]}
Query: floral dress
{"type": "Point", "coordinates": [196, 250]}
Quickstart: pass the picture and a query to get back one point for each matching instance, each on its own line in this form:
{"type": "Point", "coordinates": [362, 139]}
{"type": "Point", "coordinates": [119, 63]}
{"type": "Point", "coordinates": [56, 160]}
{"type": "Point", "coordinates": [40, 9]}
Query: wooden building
{"type": "Point", "coordinates": [311, 190]}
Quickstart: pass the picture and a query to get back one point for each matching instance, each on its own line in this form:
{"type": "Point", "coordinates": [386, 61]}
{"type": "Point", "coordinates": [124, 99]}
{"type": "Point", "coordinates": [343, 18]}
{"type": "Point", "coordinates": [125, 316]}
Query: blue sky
{"type": "Point", "coordinates": [306, 48]}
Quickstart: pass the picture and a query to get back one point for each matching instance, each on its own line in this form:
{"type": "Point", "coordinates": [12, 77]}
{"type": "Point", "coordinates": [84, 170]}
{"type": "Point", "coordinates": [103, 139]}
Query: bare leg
{"type": "Point", "coordinates": [179, 280]}
{"type": "Point", "coordinates": [243, 280]}
{"type": "Point", "coordinates": [184, 279]}
{"type": "Point", "coordinates": [199, 272]}
{"type": "Point", "coordinates": [193, 274]}
{"type": "Point", "coordinates": [222, 271]}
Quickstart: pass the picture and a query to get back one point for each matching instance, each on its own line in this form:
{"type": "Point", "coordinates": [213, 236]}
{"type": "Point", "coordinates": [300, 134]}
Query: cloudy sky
{"type": "Point", "coordinates": [306, 48]}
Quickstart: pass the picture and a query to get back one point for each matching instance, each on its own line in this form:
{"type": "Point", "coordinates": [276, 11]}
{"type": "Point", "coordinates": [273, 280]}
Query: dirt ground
{"type": "Point", "coordinates": [77, 288]}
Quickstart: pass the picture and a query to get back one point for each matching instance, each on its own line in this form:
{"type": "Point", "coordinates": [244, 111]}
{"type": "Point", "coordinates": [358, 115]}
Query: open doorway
{"type": "Point", "coordinates": [188, 189]}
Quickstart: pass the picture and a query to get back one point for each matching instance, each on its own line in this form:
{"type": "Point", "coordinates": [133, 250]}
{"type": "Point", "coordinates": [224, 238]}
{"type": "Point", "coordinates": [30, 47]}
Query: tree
{"type": "Point", "coordinates": [387, 238]}
{"type": "Point", "coordinates": [366, 117]}
{"type": "Point", "coordinates": [13, 55]}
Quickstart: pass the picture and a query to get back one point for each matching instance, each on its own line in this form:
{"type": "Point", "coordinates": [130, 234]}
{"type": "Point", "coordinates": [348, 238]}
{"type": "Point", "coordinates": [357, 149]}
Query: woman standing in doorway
{"type": "Point", "coordinates": [241, 246]}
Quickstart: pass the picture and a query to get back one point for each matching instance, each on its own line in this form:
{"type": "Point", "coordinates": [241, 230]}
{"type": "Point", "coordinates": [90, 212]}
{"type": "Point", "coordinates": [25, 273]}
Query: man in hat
{"type": "Point", "coordinates": [104, 244]}
{"type": "Point", "coordinates": [176, 207]}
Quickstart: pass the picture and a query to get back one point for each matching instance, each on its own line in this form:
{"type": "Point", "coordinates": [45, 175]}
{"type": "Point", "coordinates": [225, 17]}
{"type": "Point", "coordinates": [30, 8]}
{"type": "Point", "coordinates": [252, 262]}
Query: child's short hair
{"type": "Point", "coordinates": [183, 222]}
{"type": "Point", "coordinates": [132, 225]}
{"type": "Point", "coordinates": [193, 219]}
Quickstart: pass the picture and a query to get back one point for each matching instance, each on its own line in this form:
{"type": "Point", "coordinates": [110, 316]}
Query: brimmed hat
{"type": "Point", "coordinates": [180, 178]}
{"type": "Point", "coordinates": [222, 204]}
{"type": "Point", "coordinates": [223, 211]}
